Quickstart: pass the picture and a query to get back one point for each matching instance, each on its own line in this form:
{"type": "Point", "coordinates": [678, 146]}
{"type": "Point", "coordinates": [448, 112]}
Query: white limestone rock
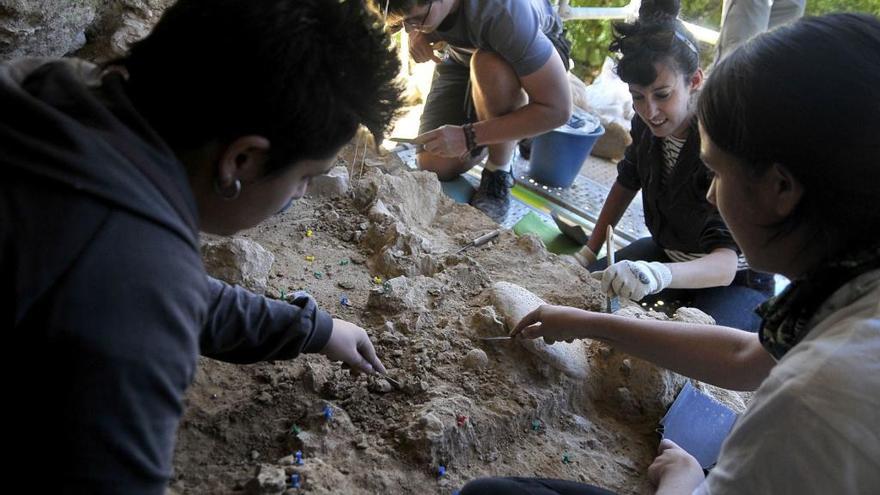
{"type": "Point", "coordinates": [238, 261]}
{"type": "Point", "coordinates": [514, 302]}
{"type": "Point", "coordinates": [333, 183]}
{"type": "Point", "coordinates": [270, 480]}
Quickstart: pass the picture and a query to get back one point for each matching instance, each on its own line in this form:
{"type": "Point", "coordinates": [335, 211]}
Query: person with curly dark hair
{"type": "Point", "coordinates": [215, 121]}
{"type": "Point", "coordinates": [690, 258]}
{"type": "Point", "coordinates": [789, 125]}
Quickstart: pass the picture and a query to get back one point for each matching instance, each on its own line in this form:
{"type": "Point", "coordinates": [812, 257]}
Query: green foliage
{"type": "Point", "coordinates": [590, 39]}
{"type": "Point", "coordinates": [819, 7]}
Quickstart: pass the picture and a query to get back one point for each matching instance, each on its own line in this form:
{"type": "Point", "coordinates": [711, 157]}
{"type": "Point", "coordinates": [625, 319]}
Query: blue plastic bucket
{"type": "Point", "coordinates": [557, 156]}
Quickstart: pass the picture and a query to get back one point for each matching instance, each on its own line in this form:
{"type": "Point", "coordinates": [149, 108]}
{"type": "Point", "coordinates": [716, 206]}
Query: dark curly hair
{"type": "Point", "coordinates": [657, 36]}
{"type": "Point", "coordinates": [303, 73]}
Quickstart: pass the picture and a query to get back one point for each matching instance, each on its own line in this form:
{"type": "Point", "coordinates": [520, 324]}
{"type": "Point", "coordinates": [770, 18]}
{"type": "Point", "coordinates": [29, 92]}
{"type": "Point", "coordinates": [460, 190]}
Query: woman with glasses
{"type": "Point", "coordinates": [504, 80]}
{"type": "Point", "coordinates": [690, 257]}
{"type": "Point", "coordinates": [789, 125]}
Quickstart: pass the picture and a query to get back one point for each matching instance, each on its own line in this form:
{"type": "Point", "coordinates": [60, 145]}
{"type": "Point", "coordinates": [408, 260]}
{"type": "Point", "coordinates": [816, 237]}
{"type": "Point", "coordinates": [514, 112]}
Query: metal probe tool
{"type": "Point", "coordinates": [479, 241]}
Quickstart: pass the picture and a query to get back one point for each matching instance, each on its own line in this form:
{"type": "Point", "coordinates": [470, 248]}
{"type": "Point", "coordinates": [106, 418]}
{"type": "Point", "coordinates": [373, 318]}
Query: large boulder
{"type": "Point", "coordinates": [96, 30]}
{"type": "Point", "coordinates": [119, 24]}
{"type": "Point", "coordinates": [44, 27]}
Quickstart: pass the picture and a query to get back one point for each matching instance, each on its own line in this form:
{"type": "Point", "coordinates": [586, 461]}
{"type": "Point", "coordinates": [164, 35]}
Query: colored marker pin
{"type": "Point", "coordinates": [328, 412]}
{"type": "Point", "coordinates": [344, 301]}
{"type": "Point", "coordinates": [441, 471]}
{"type": "Point", "coordinates": [566, 459]}
{"type": "Point", "coordinates": [298, 458]}
{"type": "Point", "coordinates": [377, 280]}
{"type": "Point", "coordinates": [310, 258]}
{"type": "Point", "coordinates": [295, 430]}
{"type": "Point", "coordinates": [536, 424]}
{"type": "Point", "coordinates": [460, 420]}
{"type": "Point", "coordinates": [309, 233]}
{"type": "Point", "coordinates": [343, 262]}
{"type": "Point", "coordinates": [318, 275]}
{"type": "Point", "coordinates": [294, 480]}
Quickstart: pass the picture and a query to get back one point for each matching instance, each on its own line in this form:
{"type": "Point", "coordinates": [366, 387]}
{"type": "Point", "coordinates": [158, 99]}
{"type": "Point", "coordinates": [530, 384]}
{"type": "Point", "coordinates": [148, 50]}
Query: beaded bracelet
{"type": "Point", "coordinates": [470, 137]}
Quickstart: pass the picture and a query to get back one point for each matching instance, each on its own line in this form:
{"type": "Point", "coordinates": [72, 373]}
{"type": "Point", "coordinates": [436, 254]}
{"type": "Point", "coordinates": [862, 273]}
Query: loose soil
{"type": "Point", "coordinates": [388, 247]}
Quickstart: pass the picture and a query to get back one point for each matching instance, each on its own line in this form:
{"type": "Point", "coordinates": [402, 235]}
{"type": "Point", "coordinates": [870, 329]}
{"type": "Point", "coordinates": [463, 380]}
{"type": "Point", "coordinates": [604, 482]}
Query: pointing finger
{"type": "Point", "coordinates": [532, 332]}
{"type": "Point", "coordinates": [528, 320]}
{"type": "Point", "coordinates": [367, 351]}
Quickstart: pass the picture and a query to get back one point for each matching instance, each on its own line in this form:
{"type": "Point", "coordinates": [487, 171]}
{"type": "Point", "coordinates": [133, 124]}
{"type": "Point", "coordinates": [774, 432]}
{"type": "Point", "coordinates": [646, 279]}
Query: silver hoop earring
{"type": "Point", "coordinates": [229, 193]}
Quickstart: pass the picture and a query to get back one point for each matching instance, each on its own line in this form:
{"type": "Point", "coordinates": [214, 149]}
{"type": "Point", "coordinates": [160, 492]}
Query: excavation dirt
{"type": "Point", "coordinates": [382, 256]}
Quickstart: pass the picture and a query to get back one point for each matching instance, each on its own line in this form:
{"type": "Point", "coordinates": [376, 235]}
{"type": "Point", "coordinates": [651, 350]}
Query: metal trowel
{"type": "Point", "coordinates": [571, 229]}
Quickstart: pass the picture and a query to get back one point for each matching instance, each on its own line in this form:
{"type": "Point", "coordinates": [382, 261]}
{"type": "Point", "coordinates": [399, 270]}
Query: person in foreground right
{"type": "Point", "coordinates": [789, 125]}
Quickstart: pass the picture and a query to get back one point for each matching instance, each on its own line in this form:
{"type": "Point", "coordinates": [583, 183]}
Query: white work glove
{"type": "Point", "coordinates": [634, 279]}
{"type": "Point", "coordinates": [585, 257]}
{"type": "Point", "coordinates": [350, 344]}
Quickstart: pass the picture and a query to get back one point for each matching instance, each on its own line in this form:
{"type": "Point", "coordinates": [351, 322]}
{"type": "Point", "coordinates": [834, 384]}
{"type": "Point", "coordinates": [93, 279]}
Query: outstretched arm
{"type": "Point", "coordinates": [725, 357]}
{"type": "Point", "coordinates": [244, 327]}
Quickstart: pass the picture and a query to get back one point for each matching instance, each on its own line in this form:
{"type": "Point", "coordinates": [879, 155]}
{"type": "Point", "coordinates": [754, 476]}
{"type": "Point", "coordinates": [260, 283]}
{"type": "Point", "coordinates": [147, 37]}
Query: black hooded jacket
{"type": "Point", "coordinates": [678, 215]}
{"type": "Point", "coordinates": [104, 300]}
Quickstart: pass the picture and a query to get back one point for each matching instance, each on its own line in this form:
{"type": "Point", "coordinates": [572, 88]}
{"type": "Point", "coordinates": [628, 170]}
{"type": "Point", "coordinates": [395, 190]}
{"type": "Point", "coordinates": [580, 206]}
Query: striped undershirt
{"type": "Point", "coordinates": [671, 149]}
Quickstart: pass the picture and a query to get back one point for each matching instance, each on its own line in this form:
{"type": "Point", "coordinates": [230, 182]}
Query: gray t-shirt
{"type": "Point", "coordinates": [517, 30]}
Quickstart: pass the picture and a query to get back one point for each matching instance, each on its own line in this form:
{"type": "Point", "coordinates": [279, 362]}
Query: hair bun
{"type": "Point", "coordinates": [659, 9]}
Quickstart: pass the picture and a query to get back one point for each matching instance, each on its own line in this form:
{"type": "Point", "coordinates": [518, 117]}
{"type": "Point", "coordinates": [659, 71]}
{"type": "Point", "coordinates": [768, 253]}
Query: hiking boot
{"type": "Point", "coordinates": [493, 195]}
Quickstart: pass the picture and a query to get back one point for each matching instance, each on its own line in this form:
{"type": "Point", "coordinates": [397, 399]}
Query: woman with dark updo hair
{"type": "Point", "coordinates": [690, 258]}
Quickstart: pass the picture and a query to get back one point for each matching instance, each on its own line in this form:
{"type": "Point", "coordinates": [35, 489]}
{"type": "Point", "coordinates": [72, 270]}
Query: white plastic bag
{"type": "Point", "coordinates": [608, 98]}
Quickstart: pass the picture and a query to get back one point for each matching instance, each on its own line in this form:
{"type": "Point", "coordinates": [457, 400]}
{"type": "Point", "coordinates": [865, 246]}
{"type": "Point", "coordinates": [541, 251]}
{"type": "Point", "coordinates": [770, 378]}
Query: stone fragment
{"type": "Point", "coordinates": [269, 480]}
{"type": "Point", "coordinates": [514, 302]}
{"type": "Point", "coordinates": [333, 183]}
{"type": "Point", "coordinates": [238, 261]}
{"type": "Point", "coordinates": [380, 386]}
{"type": "Point", "coordinates": [476, 359]}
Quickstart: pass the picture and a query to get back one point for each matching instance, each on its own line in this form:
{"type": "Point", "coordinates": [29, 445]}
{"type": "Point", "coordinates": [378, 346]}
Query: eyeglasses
{"type": "Point", "coordinates": [409, 21]}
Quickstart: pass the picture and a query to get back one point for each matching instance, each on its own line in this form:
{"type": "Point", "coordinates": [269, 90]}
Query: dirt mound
{"type": "Point", "coordinates": [466, 408]}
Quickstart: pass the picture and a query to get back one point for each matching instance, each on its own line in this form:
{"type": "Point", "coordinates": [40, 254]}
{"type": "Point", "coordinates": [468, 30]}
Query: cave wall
{"type": "Point", "coordinates": [96, 30]}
